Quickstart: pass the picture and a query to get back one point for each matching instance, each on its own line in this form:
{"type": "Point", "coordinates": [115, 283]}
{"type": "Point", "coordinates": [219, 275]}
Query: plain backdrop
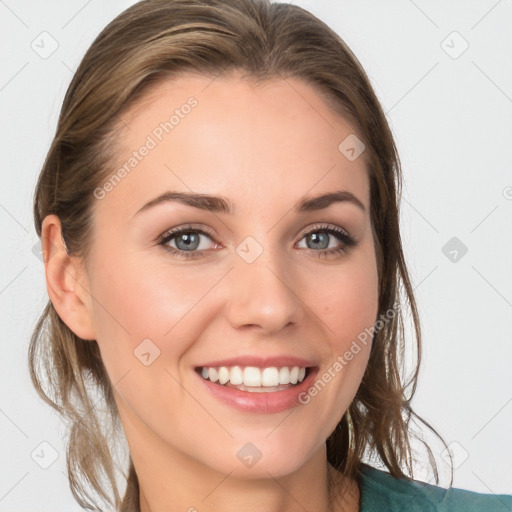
{"type": "Point", "coordinates": [443, 73]}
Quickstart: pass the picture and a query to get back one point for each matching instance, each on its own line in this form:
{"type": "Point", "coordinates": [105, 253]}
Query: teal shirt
{"type": "Point", "coordinates": [381, 492]}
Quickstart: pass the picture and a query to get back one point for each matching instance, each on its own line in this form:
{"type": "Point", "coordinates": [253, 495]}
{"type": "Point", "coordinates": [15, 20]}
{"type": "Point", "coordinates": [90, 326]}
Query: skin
{"type": "Point", "coordinates": [264, 147]}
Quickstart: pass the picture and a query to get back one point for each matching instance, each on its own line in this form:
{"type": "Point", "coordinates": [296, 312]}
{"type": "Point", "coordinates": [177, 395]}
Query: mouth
{"type": "Point", "coordinates": [255, 379]}
{"type": "Point", "coordinates": [258, 384]}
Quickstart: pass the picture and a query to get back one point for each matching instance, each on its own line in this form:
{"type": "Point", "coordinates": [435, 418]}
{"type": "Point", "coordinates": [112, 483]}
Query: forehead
{"type": "Point", "coordinates": [275, 140]}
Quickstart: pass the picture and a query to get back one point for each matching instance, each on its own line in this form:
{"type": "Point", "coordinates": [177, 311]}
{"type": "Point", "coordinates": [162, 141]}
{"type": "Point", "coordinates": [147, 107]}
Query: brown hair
{"type": "Point", "coordinates": [148, 43]}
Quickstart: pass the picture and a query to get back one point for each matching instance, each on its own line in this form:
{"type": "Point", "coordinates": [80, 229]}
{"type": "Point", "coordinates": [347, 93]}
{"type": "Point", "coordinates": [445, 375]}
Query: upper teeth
{"type": "Point", "coordinates": [253, 376]}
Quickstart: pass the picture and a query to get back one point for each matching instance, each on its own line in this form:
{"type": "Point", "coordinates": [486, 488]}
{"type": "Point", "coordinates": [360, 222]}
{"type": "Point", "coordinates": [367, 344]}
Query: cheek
{"type": "Point", "coordinates": [348, 298]}
{"type": "Point", "coordinates": [138, 298]}
{"type": "Point", "coordinates": [349, 305]}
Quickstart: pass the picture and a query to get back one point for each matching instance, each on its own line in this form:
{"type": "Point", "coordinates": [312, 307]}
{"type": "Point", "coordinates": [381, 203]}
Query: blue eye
{"type": "Point", "coordinates": [320, 236]}
{"type": "Point", "coordinates": [187, 241]}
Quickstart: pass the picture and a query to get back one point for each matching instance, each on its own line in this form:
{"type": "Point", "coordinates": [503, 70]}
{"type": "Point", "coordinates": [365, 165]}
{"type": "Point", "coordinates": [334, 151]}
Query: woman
{"type": "Point", "coordinates": [219, 220]}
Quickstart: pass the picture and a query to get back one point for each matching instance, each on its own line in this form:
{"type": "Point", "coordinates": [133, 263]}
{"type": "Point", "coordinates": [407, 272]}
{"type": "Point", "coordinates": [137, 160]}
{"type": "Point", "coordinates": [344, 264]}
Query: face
{"type": "Point", "coordinates": [258, 286]}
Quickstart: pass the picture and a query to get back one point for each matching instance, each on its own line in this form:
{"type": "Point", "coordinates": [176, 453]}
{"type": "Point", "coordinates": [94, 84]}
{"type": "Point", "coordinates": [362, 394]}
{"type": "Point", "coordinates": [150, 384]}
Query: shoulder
{"type": "Point", "coordinates": [381, 492]}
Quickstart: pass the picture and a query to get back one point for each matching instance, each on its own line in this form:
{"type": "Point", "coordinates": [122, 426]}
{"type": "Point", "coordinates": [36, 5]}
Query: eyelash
{"type": "Point", "coordinates": [341, 234]}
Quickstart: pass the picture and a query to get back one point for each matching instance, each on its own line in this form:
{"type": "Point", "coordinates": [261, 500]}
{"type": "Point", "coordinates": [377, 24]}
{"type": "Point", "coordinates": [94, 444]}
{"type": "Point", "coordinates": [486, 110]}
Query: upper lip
{"type": "Point", "coordinates": [259, 362]}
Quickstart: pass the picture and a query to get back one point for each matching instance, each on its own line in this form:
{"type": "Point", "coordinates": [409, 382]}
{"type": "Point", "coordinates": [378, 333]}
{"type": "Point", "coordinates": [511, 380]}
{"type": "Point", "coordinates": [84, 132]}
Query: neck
{"type": "Point", "coordinates": [306, 489]}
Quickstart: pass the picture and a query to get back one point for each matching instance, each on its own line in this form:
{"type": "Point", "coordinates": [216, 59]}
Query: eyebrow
{"type": "Point", "coordinates": [219, 204]}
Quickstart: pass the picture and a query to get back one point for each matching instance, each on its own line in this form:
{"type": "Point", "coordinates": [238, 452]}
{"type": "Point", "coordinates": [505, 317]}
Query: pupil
{"type": "Point", "coordinates": [188, 239]}
{"type": "Point", "coordinates": [316, 237]}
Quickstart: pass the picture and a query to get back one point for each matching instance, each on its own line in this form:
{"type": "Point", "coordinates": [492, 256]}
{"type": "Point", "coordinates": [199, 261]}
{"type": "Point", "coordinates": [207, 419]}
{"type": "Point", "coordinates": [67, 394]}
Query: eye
{"type": "Point", "coordinates": [188, 241]}
{"type": "Point", "coordinates": [321, 236]}
{"type": "Point", "coordinates": [191, 242]}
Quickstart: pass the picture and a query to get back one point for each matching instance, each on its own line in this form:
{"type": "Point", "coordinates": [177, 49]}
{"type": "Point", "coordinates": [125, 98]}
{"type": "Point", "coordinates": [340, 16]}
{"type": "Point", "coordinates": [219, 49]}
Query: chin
{"type": "Point", "coordinates": [271, 468]}
{"type": "Point", "coordinates": [261, 459]}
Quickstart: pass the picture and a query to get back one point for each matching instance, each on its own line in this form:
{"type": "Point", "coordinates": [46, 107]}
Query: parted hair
{"type": "Point", "coordinates": [153, 41]}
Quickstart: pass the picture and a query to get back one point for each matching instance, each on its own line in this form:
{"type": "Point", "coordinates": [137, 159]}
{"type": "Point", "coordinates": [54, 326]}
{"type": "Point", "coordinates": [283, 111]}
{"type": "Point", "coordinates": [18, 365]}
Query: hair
{"type": "Point", "coordinates": [155, 41]}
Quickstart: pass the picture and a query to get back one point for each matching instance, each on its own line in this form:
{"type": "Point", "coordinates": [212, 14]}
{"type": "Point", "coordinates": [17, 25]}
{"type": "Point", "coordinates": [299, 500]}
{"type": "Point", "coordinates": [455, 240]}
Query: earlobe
{"type": "Point", "coordinates": [66, 281]}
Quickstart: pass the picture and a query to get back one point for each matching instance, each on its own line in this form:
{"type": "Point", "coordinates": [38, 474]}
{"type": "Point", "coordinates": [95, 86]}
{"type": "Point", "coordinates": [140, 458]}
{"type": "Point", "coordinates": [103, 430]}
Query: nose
{"type": "Point", "coordinates": [263, 294]}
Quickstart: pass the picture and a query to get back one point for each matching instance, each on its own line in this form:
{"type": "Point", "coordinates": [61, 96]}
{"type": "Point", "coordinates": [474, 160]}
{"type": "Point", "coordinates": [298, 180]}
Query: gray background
{"type": "Point", "coordinates": [450, 110]}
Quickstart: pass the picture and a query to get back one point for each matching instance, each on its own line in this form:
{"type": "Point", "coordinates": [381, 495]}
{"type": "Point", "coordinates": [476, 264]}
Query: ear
{"type": "Point", "coordinates": [66, 281]}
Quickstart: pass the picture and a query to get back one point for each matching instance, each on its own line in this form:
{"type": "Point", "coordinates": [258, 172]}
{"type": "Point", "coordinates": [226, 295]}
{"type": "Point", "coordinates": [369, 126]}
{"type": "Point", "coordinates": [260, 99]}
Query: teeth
{"type": "Point", "coordinates": [270, 377]}
{"type": "Point", "coordinates": [213, 375]}
{"type": "Point", "coordinates": [236, 376]}
{"type": "Point", "coordinates": [223, 375]}
{"type": "Point", "coordinates": [252, 376]}
{"type": "Point", "coordinates": [284, 375]}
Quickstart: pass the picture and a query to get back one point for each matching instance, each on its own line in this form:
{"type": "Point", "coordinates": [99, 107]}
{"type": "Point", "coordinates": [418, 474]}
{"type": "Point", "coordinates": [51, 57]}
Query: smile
{"type": "Point", "coordinates": [265, 393]}
{"type": "Point", "coordinates": [254, 379]}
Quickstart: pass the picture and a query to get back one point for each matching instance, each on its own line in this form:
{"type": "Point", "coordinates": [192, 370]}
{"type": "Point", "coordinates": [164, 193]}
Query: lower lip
{"type": "Point", "coordinates": [268, 403]}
